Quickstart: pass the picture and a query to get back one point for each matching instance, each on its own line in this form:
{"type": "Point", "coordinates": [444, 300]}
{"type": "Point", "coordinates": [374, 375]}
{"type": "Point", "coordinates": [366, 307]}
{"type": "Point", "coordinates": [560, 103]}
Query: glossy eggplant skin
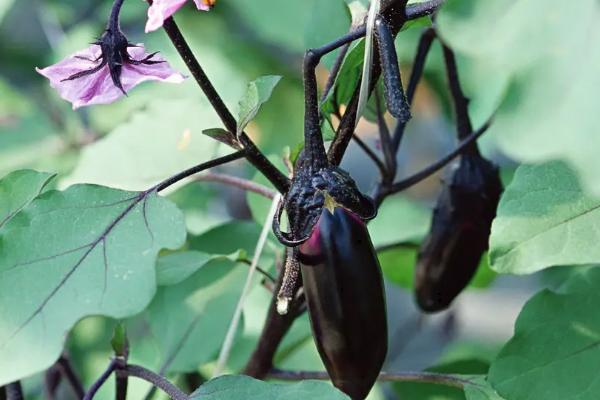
{"type": "Point", "coordinates": [460, 229]}
{"type": "Point", "coordinates": [346, 301]}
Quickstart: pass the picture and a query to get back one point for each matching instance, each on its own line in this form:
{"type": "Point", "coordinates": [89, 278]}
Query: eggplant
{"type": "Point", "coordinates": [345, 295]}
{"type": "Point", "coordinates": [460, 229]}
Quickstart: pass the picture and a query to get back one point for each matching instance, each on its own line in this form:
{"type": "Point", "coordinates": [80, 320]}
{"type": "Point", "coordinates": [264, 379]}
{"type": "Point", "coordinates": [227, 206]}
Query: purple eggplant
{"type": "Point", "coordinates": [460, 229]}
{"type": "Point", "coordinates": [346, 300]}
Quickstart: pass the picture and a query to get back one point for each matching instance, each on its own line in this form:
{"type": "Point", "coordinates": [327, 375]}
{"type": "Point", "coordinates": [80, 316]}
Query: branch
{"type": "Point", "coordinates": [253, 154]}
{"type": "Point", "coordinates": [66, 370]}
{"type": "Point", "coordinates": [419, 377]}
{"type": "Point", "coordinates": [239, 183]}
{"type": "Point", "coordinates": [14, 391]}
{"type": "Point", "coordinates": [198, 168]}
{"type": "Point", "coordinates": [101, 380]}
{"type": "Point", "coordinates": [397, 16]}
{"type": "Point", "coordinates": [163, 384]}
{"type": "Point", "coordinates": [460, 101]}
{"type": "Point", "coordinates": [371, 154]}
{"type": "Point", "coordinates": [426, 172]}
{"type": "Point", "coordinates": [415, 76]}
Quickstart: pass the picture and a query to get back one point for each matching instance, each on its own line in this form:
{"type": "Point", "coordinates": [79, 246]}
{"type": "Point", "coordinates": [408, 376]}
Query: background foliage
{"type": "Point", "coordinates": [75, 256]}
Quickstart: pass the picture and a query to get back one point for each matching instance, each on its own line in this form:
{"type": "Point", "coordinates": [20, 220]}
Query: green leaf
{"type": "Point", "coordinates": [347, 80]}
{"type": "Point", "coordinates": [399, 219]}
{"type": "Point", "coordinates": [257, 93]}
{"type": "Point", "coordinates": [544, 219]}
{"type": "Point", "coordinates": [190, 319]}
{"type": "Point", "coordinates": [119, 341]}
{"type": "Point", "coordinates": [174, 268]}
{"type": "Point", "coordinates": [223, 136]}
{"type": "Point", "coordinates": [554, 352]}
{"type": "Point", "coordinates": [329, 20]}
{"type": "Point", "coordinates": [89, 250]}
{"type": "Point", "coordinates": [157, 142]}
{"type": "Point", "coordinates": [219, 239]}
{"type": "Point", "coordinates": [246, 388]}
{"type": "Point", "coordinates": [547, 109]}
{"type": "Point", "coordinates": [18, 189]}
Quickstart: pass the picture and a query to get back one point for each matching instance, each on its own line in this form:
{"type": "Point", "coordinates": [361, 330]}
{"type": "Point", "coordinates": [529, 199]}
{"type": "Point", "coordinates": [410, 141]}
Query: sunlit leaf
{"type": "Point", "coordinates": [554, 351]}
{"type": "Point", "coordinates": [89, 250]}
{"type": "Point", "coordinates": [547, 104]}
{"type": "Point", "coordinates": [544, 219]}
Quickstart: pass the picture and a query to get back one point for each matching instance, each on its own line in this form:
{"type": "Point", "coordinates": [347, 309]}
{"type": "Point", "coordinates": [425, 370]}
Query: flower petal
{"type": "Point", "coordinates": [132, 74]}
{"type": "Point", "coordinates": [161, 10]}
{"type": "Point", "coordinates": [204, 5]}
{"type": "Point", "coordinates": [98, 87]}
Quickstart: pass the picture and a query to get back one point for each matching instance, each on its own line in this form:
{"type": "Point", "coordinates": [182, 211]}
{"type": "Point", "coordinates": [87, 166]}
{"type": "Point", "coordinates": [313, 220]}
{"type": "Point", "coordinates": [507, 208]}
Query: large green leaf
{"type": "Point", "coordinates": [18, 189]}
{"type": "Point", "coordinates": [190, 319]}
{"type": "Point", "coordinates": [554, 352]}
{"type": "Point", "coordinates": [257, 93]}
{"type": "Point", "coordinates": [89, 250]}
{"type": "Point", "coordinates": [328, 21]}
{"type": "Point", "coordinates": [544, 219]}
{"type": "Point", "coordinates": [246, 388]}
{"type": "Point", "coordinates": [157, 142]}
{"type": "Point", "coordinates": [549, 67]}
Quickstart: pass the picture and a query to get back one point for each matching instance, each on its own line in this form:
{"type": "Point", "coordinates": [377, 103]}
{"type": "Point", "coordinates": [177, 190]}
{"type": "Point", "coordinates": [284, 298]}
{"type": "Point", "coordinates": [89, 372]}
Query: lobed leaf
{"type": "Point", "coordinates": [89, 250]}
{"type": "Point", "coordinates": [554, 352]}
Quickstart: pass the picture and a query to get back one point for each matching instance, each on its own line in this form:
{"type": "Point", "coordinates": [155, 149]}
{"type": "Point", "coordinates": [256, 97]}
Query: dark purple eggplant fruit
{"type": "Point", "coordinates": [460, 229]}
{"type": "Point", "coordinates": [346, 301]}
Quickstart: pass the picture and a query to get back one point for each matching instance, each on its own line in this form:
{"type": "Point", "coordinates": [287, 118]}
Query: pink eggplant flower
{"type": "Point", "coordinates": [163, 9]}
{"type": "Point", "coordinates": [101, 75]}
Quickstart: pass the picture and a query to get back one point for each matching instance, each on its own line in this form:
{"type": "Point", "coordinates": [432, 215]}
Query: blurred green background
{"type": "Point", "coordinates": [156, 131]}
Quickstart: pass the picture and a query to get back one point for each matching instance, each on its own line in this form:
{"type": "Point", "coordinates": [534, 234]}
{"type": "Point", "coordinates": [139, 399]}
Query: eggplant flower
{"type": "Point", "coordinates": [106, 70]}
{"type": "Point", "coordinates": [163, 9]}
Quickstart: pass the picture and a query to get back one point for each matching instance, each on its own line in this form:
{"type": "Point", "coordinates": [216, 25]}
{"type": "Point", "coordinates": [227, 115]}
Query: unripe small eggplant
{"type": "Point", "coordinates": [460, 229]}
{"type": "Point", "coordinates": [346, 300]}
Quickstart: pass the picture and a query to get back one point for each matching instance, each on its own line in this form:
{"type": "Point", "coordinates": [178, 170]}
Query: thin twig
{"type": "Point", "coordinates": [237, 182]}
{"type": "Point", "coordinates": [198, 168]}
{"type": "Point", "coordinates": [231, 332]}
{"type": "Point", "coordinates": [260, 270]}
{"type": "Point", "coordinates": [424, 173]}
{"type": "Point", "coordinates": [101, 380]}
{"type": "Point", "coordinates": [419, 377]}
{"type": "Point", "coordinates": [459, 100]}
{"type": "Point", "coordinates": [64, 365]}
{"type": "Point", "coordinates": [162, 383]}
{"type": "Point", "coordinates": [371, 154]}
